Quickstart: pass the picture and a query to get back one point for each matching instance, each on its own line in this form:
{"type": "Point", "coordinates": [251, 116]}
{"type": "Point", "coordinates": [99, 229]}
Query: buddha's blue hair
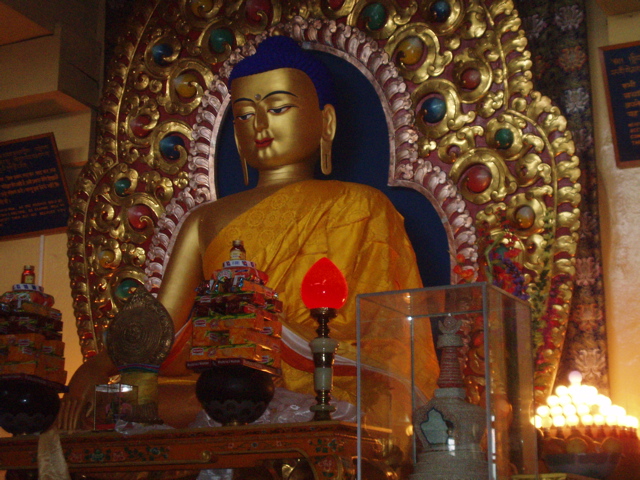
{"type": "Point", "coordinates": [283, 52]}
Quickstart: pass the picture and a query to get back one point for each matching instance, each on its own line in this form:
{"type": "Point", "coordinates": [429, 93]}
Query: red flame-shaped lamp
{"type": "Point", "coordinates": [324, 290]}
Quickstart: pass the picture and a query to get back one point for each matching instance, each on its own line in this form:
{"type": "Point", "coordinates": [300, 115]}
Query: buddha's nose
{"type": "Point", "coordinates": [261, 120]}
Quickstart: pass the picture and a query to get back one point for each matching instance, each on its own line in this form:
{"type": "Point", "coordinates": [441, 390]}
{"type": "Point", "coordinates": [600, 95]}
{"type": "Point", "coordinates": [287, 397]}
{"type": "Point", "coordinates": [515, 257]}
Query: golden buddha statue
{"type": "Point", "coordinates": [284, 124]}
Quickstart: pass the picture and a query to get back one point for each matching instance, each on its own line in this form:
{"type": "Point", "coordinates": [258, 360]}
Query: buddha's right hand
{"type": "Point", "coordinates": [74, 414]}
{"type": "Point", "coordinates": [77, 405]}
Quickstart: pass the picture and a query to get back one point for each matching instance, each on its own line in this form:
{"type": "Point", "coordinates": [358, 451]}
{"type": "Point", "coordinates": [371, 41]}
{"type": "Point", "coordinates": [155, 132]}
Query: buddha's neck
{"type": "Point", "coordinates": [286, 174]}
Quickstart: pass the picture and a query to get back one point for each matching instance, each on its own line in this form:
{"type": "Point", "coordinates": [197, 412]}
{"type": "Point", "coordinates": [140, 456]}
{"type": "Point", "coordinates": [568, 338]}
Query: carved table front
{"type": "Point", "coordinates": [328, 447]}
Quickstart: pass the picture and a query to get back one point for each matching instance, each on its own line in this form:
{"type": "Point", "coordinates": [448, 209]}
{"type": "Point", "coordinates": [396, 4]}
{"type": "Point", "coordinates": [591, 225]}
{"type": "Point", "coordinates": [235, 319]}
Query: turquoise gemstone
{"type": "Point", "coordinates": [219, 38]}
{"type": "Point", "coordinates": [169, 147]}
{"type": "Point", "coordinates": [161, 52]}
{"type": "Point", "coordinates": [440, 11]}
{"type": "Point", "coordinates": [121, 186]}
{"type": "Point", "coordinates": [433, 109]}
{"type": "Point", "coordinates": [126, 288]}
{"type": "Point", "coordinates": [376, 16]}
{"type": "Point", "coordinates": [504, 138]}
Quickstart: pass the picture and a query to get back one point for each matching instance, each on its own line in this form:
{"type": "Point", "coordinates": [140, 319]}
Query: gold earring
{"type": "Point", "coordinates": [325, 156]}
{"type": "Point", "coordinates": [245, 171]}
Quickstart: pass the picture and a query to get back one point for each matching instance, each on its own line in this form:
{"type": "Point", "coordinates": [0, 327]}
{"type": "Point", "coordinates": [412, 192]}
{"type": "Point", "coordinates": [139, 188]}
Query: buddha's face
{"type": "Point", "coordinates": [277, 119]}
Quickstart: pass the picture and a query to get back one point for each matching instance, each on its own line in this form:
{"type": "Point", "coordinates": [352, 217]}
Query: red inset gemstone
{"type": "Point", "coordinates": [138, 125]}
{"type": "Point", "coordinates": [139, 216]}
{"type": "Point", "coordinates": [256, 9]}
{"type": "Point", "coordinates": [478, 179]}
{"type": "Point", "coordinates": [470, 79]}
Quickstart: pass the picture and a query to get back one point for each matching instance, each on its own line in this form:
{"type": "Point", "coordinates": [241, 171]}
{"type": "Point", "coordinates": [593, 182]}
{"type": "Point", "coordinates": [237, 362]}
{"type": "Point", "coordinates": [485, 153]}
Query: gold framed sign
{"type": "Point", "coordinates": [621, 69]}
{"type": "Point", "coordinates": [33, 192]}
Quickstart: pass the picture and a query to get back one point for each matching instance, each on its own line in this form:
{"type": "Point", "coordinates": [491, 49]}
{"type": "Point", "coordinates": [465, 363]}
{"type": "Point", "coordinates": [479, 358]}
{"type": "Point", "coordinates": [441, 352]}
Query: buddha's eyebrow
{"type": "Point", "coordinates": [242, 99]}
{"type": "Point", "coordinates": [280, 91]}
{"type": "Point", "coordinates": [275, 92]}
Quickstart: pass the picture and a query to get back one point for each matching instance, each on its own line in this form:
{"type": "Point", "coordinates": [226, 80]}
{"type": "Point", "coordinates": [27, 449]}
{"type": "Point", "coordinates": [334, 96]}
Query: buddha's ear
{"type": "Point", "coordinates": [329, 123]}
{"type": "Point", "coordinates": [243, 161]}
{"type": "Point", "coordinates": [328, 133]}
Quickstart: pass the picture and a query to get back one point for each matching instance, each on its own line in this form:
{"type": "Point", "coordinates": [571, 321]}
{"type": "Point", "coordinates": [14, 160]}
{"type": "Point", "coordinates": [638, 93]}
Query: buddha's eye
{"type": "Point", "coordinates": [245, 116]}
{"type": "Point", "coordinates": [279, 110]}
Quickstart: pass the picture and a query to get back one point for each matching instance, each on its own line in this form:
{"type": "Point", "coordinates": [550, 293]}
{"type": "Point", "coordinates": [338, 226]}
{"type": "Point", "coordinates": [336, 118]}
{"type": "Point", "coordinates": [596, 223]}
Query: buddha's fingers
{"type": "Point", "coordinates": [73, 414]}
{"type": "Point", "coordinates": [65, 420]}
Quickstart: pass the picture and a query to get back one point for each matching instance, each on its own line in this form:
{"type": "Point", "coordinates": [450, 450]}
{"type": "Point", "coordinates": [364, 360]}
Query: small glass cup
{"type": "Point", "coordinates": [113, 402]}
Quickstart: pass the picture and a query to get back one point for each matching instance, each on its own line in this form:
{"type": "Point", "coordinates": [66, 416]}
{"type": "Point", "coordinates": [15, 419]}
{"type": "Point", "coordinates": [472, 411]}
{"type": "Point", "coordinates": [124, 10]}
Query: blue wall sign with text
{"type": "Point", "coordinates": [621, 64]}
{"type": "Point", "coordinates": [33, 193]}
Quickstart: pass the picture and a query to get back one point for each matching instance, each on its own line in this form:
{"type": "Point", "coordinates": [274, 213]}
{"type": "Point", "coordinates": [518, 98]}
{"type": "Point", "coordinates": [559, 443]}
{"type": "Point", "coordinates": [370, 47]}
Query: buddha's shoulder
{"type": "Point", "coordinates": [215, 214]}
{"type": "Point", "coordinates": [202, 215]}
{"type": "Point", "coordinates": [349, 191]}
{"type": "Point", "coordinates": [345, 188]}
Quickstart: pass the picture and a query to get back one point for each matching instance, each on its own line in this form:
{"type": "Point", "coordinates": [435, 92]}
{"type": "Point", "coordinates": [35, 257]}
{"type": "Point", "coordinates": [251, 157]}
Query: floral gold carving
{"type": "Point", "coordinates": [466, 127]}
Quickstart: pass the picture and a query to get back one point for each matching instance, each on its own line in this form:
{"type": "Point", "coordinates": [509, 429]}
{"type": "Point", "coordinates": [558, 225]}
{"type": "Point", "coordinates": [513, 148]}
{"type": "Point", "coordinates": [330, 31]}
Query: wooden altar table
{"type": "Point", "coordinates": [329, 447]}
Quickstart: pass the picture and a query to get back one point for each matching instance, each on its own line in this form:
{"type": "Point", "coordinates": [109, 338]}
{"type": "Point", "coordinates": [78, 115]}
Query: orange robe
{"type": "Point", "coordinates": [359, 230]}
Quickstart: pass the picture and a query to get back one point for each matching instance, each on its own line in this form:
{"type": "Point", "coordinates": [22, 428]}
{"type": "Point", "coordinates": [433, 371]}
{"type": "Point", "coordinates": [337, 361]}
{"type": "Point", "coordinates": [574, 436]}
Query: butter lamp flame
{"type": "Point", "coordinates": [324, 290]}
{"type": "Point", "coordinates": [324, 286]}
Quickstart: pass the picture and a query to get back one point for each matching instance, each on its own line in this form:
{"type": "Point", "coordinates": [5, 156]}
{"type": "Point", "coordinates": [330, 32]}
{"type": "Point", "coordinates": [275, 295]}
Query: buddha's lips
{"type": "Point", "coordinates": [264, 142]}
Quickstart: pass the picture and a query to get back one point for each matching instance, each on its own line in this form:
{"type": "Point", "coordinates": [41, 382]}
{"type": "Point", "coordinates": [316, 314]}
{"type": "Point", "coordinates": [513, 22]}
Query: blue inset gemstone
{"type": "Point", "coordinates": [161, 52]}
{"type": "Point", "coordinates": [433, 109]}
{"type": "Point", "coordinates": [440, 11]}
{"type": "Point", "coordinates": [169, 147]}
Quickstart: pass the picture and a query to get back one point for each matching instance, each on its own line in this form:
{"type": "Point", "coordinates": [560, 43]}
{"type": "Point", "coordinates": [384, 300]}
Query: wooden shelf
{"type": "Point", "coordinates": [329, 447]}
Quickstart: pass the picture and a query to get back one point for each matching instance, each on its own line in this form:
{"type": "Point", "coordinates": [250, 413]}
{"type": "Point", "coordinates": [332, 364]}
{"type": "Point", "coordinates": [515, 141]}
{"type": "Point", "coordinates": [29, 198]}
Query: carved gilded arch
{"type": "Point", "coordinates": [467, 130]}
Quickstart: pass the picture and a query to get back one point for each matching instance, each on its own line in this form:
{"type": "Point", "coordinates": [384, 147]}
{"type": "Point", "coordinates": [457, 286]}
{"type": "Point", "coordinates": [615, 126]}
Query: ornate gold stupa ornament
{"type": "Point", "coordinates": [466, 129]}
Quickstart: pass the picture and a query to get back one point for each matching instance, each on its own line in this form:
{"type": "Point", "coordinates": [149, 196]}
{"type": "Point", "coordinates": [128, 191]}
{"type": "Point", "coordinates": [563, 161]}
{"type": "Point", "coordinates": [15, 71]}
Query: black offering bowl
{"type": "Point", "coordinates": [234, 394]}
{"type": "Point", "coordinates": [28, 404]}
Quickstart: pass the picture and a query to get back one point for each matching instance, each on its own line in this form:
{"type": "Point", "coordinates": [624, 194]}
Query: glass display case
{"type": "Point", "coordinates": [396, 375]}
